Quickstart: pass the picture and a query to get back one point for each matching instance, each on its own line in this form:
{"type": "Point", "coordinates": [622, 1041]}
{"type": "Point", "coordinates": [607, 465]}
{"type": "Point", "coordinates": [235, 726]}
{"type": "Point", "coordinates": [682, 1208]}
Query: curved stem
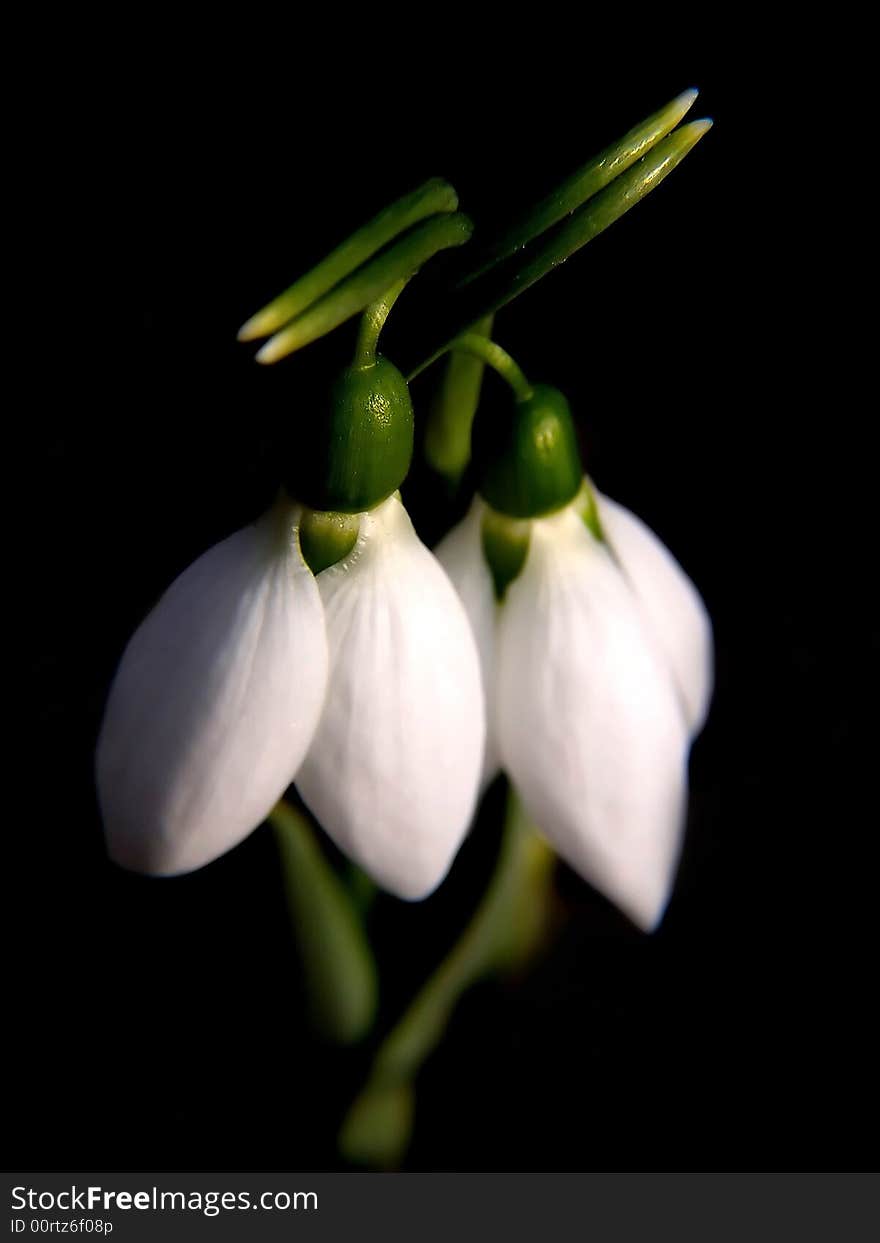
{"type": "Point", "coordinates": [495, 357]}
{"type": "Point", "coordinates": [508, 929]}
{"type": "Point", "coordinates": [372, 323]}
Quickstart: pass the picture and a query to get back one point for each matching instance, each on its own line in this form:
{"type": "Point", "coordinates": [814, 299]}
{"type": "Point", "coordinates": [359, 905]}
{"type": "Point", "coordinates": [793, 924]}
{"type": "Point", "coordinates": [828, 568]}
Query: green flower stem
{"type": "Point", "coordinates": [587, 181]}
{"type": "Point", "coordinates": [504, 934]}
{"type": "Point", "coordinates": [451, 415]}
{"type": "Point", "coordinates": [429, 199]}
{"type": "Point", "coordinates": [498, 359]}
{"type": "Point", "coordinates": [368, 283]}
{"type": "Point", "coordinates": [372, 323]}
{"type": "Point", "coordinates": [362, 889]}
{"type": "Point", "coordinates": [338, 965]}
{"type": "Point", "coordinates": [507, 280]}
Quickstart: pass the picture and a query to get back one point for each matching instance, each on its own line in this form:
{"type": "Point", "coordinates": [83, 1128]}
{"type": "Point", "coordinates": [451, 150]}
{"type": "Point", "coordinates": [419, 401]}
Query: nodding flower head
{"type": "Point", "coordinates": [596, 656]}
{"type": "Point", "coordinates": [215, 702]}
{"type": "Point", "coordinates": [355, 675]}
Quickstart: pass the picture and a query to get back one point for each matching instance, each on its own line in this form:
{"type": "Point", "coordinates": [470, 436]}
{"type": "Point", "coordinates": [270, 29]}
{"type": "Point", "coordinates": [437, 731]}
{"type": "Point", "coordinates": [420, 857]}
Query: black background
{"type": "Point", "coordinates": [160, 1023]}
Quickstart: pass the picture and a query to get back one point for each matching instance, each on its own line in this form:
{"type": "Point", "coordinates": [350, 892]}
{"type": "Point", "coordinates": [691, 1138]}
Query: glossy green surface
{"type": "Point", "coordinates": [491, 353]}
{"type": "Point", "coordinates": [369, 282]}
{"type": "Point", "coordinates": [506, 280]}
{"type": "Point", "coordinates": [434, 196]}
{"type": "Point", "coordinates": [325, 538]}
{"type": "Point", "coordinates": [505, 547]}
{"type": "Point", "coordinates": [595, 216]}
{"type": "Point", "coordinates": [528, 462]}
{"type": "Point", "coordinates": [589, 179]}
{"type": "Point", "coordinates": [372, 323]}
{"type": "Point", "coordinates": [357, 450]}
{"type": "Point", "coordinates": [451, 415]}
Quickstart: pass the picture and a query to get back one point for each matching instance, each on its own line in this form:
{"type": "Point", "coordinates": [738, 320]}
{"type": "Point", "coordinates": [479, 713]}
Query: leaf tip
{"type": "Point", "coordinates": [261, 324]}
{"type": "Point", "coordinates": [699, 128]}
{"type": "Point", "coordinates": [274, 349]}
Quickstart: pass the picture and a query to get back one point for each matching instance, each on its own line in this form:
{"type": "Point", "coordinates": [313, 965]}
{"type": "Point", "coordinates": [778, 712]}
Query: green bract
{"type": "Point", "coordinates": [528, 464]}
{"type": "Point", "coordinates": [325, 538]}
{"type": "Point", "coordinates": [358, 450]}
{"type": "Point", "coordinates": [505, 546]}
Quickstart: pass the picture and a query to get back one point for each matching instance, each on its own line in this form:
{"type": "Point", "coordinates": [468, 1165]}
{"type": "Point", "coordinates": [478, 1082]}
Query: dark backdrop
{"type": "Point", "coordinates": [159, 1024]}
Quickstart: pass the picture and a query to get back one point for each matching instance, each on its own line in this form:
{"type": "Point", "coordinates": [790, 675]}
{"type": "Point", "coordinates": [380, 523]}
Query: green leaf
{"type": "Point", "coordinates": [357, 291]}
{"type": "Point", "coordinates": [600, 212]}
{"type": "Point", "coordinates": [583, 184]}
{"type": "Point", "coordinates": [338, 965]}
{"type": "Point", "coordinates": [429, 199]}
{"type": "Point", "coordinates": [507, 280]}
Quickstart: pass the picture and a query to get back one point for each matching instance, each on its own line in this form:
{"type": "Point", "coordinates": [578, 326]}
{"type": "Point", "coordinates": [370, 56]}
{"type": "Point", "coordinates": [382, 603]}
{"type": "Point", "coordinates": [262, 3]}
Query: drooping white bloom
{"type": "Point", "coordinates": [393, 772]}
{"type": "Point", "coordinates": [600, 665]}
{"type": "Point", "coordinates": [225, 690]}
{"type": "Point", "coordinates": [215, 702]}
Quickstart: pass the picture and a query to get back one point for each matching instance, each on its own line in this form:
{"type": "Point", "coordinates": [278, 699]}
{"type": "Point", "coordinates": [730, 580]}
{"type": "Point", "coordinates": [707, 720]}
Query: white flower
{"type": "Point", "coordinates": [225, 695]}
{"type": "Point", "coordinates": [215, 702]}
{"type": "Point", "coordinates": [598, 671]}
{"type": "Point", "coordinates": [394, 769]}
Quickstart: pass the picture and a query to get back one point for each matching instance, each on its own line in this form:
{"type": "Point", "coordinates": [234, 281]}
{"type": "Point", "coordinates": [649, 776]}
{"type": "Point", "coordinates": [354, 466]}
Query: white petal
{"type": "Point", "coordinates": [670, 605]}
{"type": "Point", "coordinates": [215, 702]}
{"type": "Point", "coordinates": [393, 772]}
{"type": "Point", "coordinates": [461, 555]}
{"type": "Point", "coordinates": [590, 727]}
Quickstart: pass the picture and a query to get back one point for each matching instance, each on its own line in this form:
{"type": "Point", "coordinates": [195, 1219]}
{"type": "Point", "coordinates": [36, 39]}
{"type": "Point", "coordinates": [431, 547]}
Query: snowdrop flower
{"type": "Point", "coordinates": [596, 655]}
{"type": "Point", "coordinates": [393, 772]}
{"type": "Point", "coordinates": [324, 646]}
{"type": "Point", "coordinates": [215, 702]}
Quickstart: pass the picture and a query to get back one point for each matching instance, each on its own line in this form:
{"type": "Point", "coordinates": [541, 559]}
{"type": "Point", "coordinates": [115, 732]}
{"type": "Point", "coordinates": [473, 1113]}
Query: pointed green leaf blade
{"type": "Point", "coordinates": [435, 196]}
{"type": "Point", "coordinates": [587, 181]}
{"type": "Point", "coordinates": [368, 283]}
